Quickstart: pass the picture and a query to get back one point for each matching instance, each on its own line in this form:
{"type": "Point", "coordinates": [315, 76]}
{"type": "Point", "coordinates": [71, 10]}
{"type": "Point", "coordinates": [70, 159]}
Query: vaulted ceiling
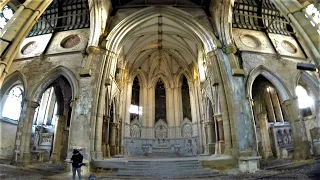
{"type": "Point", "coordinates": [162, 41]}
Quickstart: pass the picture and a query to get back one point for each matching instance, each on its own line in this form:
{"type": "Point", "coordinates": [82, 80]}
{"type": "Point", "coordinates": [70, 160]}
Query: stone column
{"type": "Point", "coordinates": [276, 105]}
{"type": "Point", "coordinates": [211, 137]}
{"type": "Point", "coordinates": [300, 142]}
{"type": "Point", "coordinates": [25, 137]}
{"type": "Point", "coordinates": [107, 119]}
{"type": "Point", "coordinates": [269, 106]}
{"type": "Point", "coordinates": [170, 108]}
{"type": "Point", "coordinates": [267, 153]}
{"type": "Point", "coordinates": [221, 142]}
{"type": "Point", "coordinates": [12, 35]}
{"type": "Point", "coordinates": [99, 123]}
{"type": "Point", "coordinates": [61, 122]}
{"type": "Point", "coordinates": [113, 134]}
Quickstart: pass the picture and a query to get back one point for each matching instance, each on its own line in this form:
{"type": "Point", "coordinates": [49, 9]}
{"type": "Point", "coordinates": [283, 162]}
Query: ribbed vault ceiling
{"type": "Point", "coordinates": [160, 39]}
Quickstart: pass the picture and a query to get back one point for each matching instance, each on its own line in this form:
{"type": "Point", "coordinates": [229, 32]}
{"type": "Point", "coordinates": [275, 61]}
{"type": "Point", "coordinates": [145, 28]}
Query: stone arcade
{"type": "Point", "coordinates": [172, 78]}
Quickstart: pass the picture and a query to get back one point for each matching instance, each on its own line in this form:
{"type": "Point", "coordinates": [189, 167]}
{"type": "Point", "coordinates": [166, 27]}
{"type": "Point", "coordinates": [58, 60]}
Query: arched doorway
{"type": "Point", "coordinates": [274, 136]}
{"type": "Point", "coordinates": [51, 122]}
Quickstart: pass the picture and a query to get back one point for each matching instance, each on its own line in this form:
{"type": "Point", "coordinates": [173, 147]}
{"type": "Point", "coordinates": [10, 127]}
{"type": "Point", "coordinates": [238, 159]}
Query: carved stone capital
{"type": "Point", "coordinates": [230, 49]}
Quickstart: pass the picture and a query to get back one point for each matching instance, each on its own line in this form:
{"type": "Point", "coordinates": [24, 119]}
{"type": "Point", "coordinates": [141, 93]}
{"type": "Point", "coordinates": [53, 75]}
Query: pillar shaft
{"type": "Point", "coordinates": [113, 135]}
{"type": "Point", "coordinates": [269, 106]}
{"type": "Point", "coordinates": [99, 123]}
{"type": "Point", "coordinates": [56, 152]}
{"type": "Point", "coordinates": [301, 147]}
{"type": "Point", "coordinates": [276, 105]}
{"type": "Point", "coordinates": [265, 136]}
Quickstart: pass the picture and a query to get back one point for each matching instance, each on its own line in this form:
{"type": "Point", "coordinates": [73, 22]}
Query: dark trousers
{"type": "Point", "coordinates": [74, 170]}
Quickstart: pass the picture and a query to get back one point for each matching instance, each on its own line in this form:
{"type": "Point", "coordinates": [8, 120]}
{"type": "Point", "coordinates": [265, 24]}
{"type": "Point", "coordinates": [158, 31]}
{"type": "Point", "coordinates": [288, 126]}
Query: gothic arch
{"type": "Point", "coordinates": [13, 79]}
{"type": "Point", "coordinates": [184, 73]}
{"type": "Point", "coordinates": [117, 35]}
{"type": "Point", "coordinates": [141, 76]}
{"type": "Point", "coordinates": [50, 77]}
{"type": "Point", "coordinates": [310, 81]}
{"type": "Point", "coordinates": [163, 78]}
{"type": "Point", "coordinates": [274, 78]}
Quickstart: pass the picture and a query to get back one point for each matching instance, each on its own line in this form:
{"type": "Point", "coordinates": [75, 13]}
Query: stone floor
{"type": "Point", "coordinates": [278, 169]}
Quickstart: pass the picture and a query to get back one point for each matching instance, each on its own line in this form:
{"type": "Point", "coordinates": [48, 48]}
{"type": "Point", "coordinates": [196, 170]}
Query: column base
{"type": "Point", "coordinates": [26, 160]}
{"type": "Point", "coordinates": [221, 147]}
{"type": "Point", "coordinates": [302, 152]}
{"type": "Point", "coordinates": [113, 150]}
{"type": "Point", "coordinates": [249, 164]}
{"type": "Point", "coordinates": [211, 148]}
{"type": "Point", "coordinates": [266, 154]}
{"type": "Point", "coordinates": [97, 155]}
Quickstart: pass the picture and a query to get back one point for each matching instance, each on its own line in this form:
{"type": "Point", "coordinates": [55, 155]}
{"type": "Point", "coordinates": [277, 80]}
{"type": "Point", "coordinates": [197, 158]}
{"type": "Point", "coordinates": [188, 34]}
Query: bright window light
{"type": "Point", "coordinates": [12, 106]}
{"type": "Point", "coordinates": [134, 109]}
{"type": "Point", "coordinates": [304, 99]}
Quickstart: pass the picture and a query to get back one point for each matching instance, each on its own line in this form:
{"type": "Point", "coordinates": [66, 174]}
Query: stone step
{"type": "Point", "coordinates": [169, 174]}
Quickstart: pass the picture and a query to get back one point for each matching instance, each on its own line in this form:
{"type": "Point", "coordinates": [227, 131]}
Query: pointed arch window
{"type": "Point", "coordinates": [160, 102]}
{"type": "Point", "coordinates": [304, 100]}
{"type": "Point", "coordinates": [135, 108]}
{"type": "Point", "coordinates": [12, 105]}
{"type": "Point", "coordinates": [186, 107]}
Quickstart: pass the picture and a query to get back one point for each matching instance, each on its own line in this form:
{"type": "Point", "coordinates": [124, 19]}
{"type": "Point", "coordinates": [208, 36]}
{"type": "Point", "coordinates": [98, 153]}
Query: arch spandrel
{"type": "Point", "coordinates": [50, 77]}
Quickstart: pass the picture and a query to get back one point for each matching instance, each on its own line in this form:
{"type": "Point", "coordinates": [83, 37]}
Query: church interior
{"type": "Point", "coordinates": [230, 83]}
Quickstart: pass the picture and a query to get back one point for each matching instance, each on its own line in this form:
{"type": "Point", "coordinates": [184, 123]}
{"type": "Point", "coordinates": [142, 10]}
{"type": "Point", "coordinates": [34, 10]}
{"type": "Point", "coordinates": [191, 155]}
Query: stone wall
{"type": "Point", "coordinates": [8, 132]}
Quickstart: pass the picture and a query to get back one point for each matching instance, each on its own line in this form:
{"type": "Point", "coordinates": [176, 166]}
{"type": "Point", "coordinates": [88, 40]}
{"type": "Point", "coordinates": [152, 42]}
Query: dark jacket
{"type": "Point", "coordinates": [77, 160]}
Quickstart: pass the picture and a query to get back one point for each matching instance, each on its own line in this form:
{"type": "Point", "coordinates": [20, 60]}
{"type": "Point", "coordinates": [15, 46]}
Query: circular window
{"type": "Point", "coordinates": [250, 41]}
{"type": "Point", "coordinates": [288, 46]}
{"type": "Point", "coordinates": [29, 47]}
{"type": "Point", "coordinates": [70, 41]}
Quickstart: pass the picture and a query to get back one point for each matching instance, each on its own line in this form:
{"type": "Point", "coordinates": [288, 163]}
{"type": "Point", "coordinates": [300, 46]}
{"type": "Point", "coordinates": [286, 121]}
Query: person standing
{"type": "Point", "coordinates": [76, 164]}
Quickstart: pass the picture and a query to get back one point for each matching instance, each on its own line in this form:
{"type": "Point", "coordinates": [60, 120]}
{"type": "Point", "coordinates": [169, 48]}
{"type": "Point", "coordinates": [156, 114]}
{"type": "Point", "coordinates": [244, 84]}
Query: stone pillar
{"type": "Point", "coordinates": [276, 105]}
{"type": "Point", "coordinates": [267, 153]}
{"type": "Point", "coordinates": [107, 119]}
{"type": "Point", "coordinates": [211, 137]}
{"type": "Point", "coordinates": [61, 123]}
{"type": "Point", "coordinates": [26, 129]}
{"type": "Point", "coordinates": [269, 106]}
{"type": "Point", "coordinates": [12, 35]}
{"type": "Point", "coordinates": [170, 108]}
{"type": "Point", "coordinates": [299, 137]}
{"type": "Point", "coordinates": [113, 134]}
{"type": "Point", "coordinates": [99, 123]}
{"type": "Point", "coordinates": [221, 146]}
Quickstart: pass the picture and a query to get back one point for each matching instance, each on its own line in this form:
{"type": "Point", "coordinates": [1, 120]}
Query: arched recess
{"type": "Point", "coordinates": [62, 83]}
{"type": "Point", "coordinates": [275, 79]}
{"type": "Point", "coordinates": [9, 119]}
{"type": "Point", "coordinates": [118, 35]}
